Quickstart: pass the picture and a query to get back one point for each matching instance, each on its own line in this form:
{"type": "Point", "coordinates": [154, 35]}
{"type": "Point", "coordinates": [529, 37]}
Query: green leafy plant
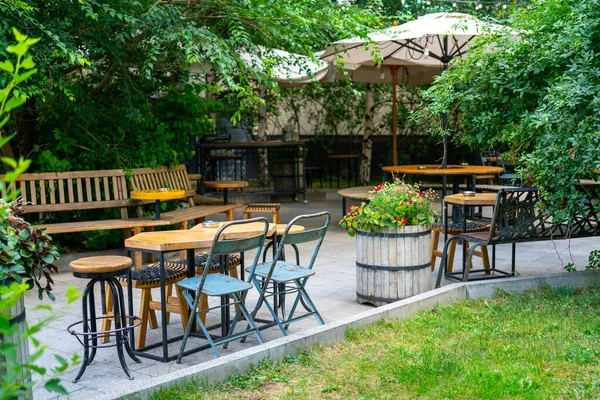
{"type": "Point", "coordinates": [393, 205]}
{"type": "Point", "coordinates": [12, 384]}
{"type": "Point", "coordinates": [593, 260]}
{"type": "Point", "coordinates": [26, 252]}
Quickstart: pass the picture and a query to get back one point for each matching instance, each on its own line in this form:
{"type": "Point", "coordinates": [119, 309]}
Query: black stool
{"type": "Point", "coordinates": [103, 270]}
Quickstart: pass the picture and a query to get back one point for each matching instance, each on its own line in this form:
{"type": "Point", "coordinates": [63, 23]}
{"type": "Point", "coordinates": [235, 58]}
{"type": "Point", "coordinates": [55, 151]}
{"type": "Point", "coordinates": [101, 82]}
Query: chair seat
{"type": "Point", "coordinates": [216, 284]}
{"type": "Point", "coordinates": [456, 228]}
{"type": "Point", "coordinates": [283, 272]}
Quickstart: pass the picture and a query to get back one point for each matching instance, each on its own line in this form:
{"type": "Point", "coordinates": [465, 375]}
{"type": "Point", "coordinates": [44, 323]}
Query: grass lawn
{"type": "Point", "coordinates": [537, 346]}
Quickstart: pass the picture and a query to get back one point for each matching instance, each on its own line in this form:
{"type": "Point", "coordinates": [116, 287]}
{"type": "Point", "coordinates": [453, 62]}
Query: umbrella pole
{"type": "Point", "coordinates": [394, 70]}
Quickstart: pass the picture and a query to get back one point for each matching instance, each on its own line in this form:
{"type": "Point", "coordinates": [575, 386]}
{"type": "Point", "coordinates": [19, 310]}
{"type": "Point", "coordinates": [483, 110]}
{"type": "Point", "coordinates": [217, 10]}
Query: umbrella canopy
{"type": "Point", "coordinates": [425, 45]}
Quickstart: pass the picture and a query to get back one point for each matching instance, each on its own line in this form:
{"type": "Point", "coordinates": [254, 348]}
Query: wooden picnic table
{"type": "Point", "coordinates": [197, 238]}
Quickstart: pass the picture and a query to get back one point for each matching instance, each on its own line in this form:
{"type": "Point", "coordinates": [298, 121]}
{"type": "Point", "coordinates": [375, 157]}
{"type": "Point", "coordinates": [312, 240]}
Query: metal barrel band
{"type": "Point", "coordinates": [393, 268]}
{"type": "Point", "coordinates": [394, 234]}
{"type": "Point", "coordinates": [373, 298]}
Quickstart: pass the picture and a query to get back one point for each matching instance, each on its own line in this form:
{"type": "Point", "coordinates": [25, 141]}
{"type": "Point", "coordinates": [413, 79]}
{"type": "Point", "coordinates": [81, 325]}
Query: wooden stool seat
{"type": "Point", "coordinates": [194, 177]}
{"type": "Point", "coordinates": [264, 208]}
{"type": "Point", "coordinates": [100, 264]}
{"type": "Point", "coordinates": [293, 229]}
{"type": "Point", "coordinates": [456, 228]}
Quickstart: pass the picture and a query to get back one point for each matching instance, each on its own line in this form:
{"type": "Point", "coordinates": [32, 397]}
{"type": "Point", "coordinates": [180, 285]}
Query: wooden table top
{"type": "Point", "coordinates": [170, 194]}
{"type": "Point", "coordinates": [225, 184]}
{"type": "Point", "coordinates": [293, 229]}
{"type": "Point", "coordinates": [198, 237]}
{"type": "Point", "coordinates": [357, 193]}
{"type": "Point", "coordinates": [436, 169]}
{"type": "Point", "coordinates": [479, 199]}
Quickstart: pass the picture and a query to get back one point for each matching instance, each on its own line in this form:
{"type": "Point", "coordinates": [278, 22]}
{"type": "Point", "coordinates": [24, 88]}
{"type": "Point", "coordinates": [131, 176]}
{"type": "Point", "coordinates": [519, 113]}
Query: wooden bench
{"type": "Point", "coordinates": [52, 192]}
{"type": "Point", "coordinates": [516, 219]}
{"type": "Point", "coordinates": [198, 207]}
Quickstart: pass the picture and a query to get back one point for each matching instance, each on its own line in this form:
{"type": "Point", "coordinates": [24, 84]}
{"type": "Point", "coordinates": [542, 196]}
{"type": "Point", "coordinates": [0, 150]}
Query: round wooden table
{"type": "Point", "coordinates": [225, 185]}
{"type": "Point", "coordinates": [360, 193]}
{"type": "Point", "coordinates": [157, 196]}
{"type": "Point", "coordinates": [450, 170]}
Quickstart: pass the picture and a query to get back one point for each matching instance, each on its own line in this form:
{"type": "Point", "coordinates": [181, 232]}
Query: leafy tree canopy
{"type": "Point", "coordinates": [113, 87]}
{"type": "Point", "coordinates": [537, 93]}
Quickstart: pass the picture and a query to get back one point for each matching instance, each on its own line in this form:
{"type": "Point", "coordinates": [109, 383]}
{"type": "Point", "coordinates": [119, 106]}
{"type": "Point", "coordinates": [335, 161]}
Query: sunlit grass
{"type": "Point", "coordinates": [536, 346]}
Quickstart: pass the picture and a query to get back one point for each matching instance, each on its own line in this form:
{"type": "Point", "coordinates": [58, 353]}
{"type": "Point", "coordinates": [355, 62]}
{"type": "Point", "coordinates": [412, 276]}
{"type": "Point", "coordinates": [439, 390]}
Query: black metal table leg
{"type": "Point", "coordinates": [225, 199]}
{"type": "Point", "coordinates": [163, 308]}
{"type": "Point", "coordinates": [157, 209]}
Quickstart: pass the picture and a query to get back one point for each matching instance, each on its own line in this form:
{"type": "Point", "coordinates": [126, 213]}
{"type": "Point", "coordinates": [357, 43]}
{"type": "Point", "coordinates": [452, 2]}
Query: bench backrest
{"type": "Point", "coordinates": [516, 219]}
{"type": "Point", "coordinates": [67, 191]}
{"type": "Point", "coordinates": [157, 178]}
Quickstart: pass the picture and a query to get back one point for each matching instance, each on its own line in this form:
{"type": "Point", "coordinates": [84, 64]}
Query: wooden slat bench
{"type": "Point", "coordinates": [51, 192]}
{"type": "Point", "coordinates": [199, 206]}
{"type": "Point", "coordinates": [517, 219]}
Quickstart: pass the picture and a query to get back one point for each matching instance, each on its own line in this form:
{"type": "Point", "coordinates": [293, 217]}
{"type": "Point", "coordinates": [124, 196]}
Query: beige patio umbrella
{"type": "Point", "coordinates": [428, 43]}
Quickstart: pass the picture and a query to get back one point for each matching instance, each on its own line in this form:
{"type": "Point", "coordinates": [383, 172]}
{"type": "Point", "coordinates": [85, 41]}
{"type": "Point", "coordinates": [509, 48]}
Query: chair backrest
{"type": "Point", "coordinates": [310, 235]}
{"type": "Point", "coordinates": [489, 158]}
{"type": "Point", "coordinates": [233, 246]}
{"type": "Point", "coordinates": [516, 219]}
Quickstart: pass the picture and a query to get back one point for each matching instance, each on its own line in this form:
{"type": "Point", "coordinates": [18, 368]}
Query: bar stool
{"type": "Point", "coordinates": [456, 229]}
{"type": "Point", "coordinates": [103, 270]}
{"type": "Point", "coordinates": [263, 208]}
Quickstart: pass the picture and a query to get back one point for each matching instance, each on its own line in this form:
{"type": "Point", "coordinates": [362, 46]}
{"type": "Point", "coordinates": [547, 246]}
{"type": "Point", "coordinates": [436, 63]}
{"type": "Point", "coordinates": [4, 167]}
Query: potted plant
{"type": "Point", "coordinates": [393, 242]}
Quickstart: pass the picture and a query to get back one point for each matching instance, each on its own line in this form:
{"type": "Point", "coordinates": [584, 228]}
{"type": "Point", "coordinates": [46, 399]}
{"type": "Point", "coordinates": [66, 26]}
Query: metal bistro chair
{"type": "Point", "coordinates": [282, 273]}
{"type": "Point", "coordinates": [222, 285]}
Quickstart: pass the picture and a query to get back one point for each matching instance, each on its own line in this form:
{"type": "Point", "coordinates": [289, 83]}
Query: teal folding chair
{"type": "Point", "coordinates": [213, 285]}
{"type": "Point", "coordinates": [289, 278]}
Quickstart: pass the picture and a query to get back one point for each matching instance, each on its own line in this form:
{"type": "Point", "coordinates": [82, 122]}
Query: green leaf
{"type": "Point", "coordinates": [19, 37]}
{"type": "Point", "coordinates": [27, 63]}
{"type": "Point", "coordinates": [19, 49]}
{"type": "Point", "coordinates": [53, 385]}
{"type": "Point", "coordinates": [7, 66]}
{"type": "Point", "coordinates": [24, 76]}
{"type": "Point", "coordinates": [14, 102]}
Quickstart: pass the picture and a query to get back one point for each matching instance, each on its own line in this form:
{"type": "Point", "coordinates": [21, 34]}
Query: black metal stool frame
{"type": "Point", "coordinates": [90, 330]}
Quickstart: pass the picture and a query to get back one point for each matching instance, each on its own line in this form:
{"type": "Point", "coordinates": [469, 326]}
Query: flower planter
{"type": "Point", "coordinates": [392, 264]}
{"type": "Point", "coordinates": [22, 350]}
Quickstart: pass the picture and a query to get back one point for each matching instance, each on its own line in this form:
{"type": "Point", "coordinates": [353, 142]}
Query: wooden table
{"type": "Point", "coordinates": [157, 196]}
{"type": "Point", "coordinates": [450, 170]}
{"type": "Point", "coordinates": [360, 193]}
{"type": "Point", "coordinates": [225, 185]}
{"type": "Point", "coordinates": [338, 158]}
{"type": "Point", "coordinates": [161, 243]}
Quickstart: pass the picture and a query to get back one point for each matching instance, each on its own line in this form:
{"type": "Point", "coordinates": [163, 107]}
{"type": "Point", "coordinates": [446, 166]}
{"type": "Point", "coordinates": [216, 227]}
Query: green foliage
{"type": "Point", "coordinates": [12, 384]}
{"type": "Point", "coordinates": [537, 94]}
{"type": "Point", "coordinates": [115, 88]}
{"type": "Point", "coordinates": [393, 205]}
{"type": "Point", "coordinates": [26, 252]}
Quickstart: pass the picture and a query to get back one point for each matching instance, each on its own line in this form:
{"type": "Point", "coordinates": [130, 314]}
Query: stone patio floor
{"type": "Point", "coordinates": [332, 289]}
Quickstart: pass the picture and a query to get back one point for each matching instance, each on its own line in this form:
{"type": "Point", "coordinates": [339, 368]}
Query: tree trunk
{"type": "Point", "coordinates": [367, 142]}
{"type": "Point", "coordinates": [261, 134]}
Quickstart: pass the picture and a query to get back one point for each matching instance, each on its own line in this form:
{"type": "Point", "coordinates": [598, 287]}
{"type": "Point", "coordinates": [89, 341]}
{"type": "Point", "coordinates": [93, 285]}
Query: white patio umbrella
{"type": "Point", "coordinates": [429, 42]}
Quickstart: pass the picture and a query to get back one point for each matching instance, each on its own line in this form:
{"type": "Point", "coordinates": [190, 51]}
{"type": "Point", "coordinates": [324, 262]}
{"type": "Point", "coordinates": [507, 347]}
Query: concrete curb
{"type": "Point", "coordinates": [222, 368]}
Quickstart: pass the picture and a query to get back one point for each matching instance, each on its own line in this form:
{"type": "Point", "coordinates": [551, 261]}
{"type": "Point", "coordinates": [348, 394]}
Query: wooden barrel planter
{"type": "Point", "coordinates": [18, 318]}
{"type": "Point", "coordinates": [392, 264]}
